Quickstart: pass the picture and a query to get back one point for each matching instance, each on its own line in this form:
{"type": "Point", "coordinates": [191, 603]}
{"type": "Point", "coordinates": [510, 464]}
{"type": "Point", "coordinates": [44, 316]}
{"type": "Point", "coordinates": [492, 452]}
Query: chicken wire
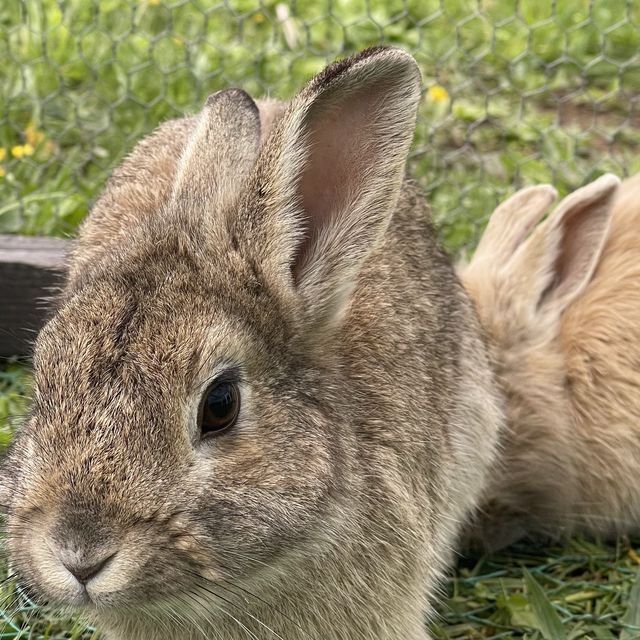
{"type": "Point", "coordinates": [515, 92]}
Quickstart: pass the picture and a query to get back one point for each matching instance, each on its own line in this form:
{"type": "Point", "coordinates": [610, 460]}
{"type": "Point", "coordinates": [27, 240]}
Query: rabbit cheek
{"type": "Point", "coordinates": [257, 497]}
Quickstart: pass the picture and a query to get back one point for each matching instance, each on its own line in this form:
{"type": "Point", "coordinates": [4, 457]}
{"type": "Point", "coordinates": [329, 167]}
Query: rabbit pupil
{"type": "Point", "coordinates": [220, 407]}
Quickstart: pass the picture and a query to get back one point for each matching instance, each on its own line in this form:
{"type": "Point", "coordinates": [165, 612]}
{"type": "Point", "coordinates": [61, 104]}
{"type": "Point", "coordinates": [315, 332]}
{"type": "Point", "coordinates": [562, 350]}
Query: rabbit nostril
{"type": "Point", "coordinates": [85, 571]}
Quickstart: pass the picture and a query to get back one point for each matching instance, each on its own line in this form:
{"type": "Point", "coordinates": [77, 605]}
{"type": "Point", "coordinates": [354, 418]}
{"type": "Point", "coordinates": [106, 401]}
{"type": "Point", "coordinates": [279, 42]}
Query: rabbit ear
{"type": "Point", "coordinates": [221, 150]}
{"type": "Point", "coordinates": [331, 173]}
{"type": "Point", "coordinates": [558, 260]}
{"type": "Point", "coordinates": [512, 221]}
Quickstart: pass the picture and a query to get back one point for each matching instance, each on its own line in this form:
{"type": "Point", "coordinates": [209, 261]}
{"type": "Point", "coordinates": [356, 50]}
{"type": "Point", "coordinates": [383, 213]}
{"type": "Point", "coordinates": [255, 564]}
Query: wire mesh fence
{"type": "Point", "coordinates": [516, 91]}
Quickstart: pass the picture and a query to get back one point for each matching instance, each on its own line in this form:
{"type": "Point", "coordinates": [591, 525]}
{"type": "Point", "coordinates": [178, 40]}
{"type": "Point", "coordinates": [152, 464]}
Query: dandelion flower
{"type": "Point", "coordinates": [22, 150]}
{"type": "Point", "coordinates": [437, 93]}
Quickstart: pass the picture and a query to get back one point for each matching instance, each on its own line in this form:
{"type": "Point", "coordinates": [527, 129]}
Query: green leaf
{"type": "Point", "coordinates": [546, 617]}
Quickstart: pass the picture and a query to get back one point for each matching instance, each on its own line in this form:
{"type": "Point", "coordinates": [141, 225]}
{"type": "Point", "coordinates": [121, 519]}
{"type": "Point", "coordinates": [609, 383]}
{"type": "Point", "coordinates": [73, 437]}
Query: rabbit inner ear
{"type": "Point", "coordinates": [582, 225]}
{"type": "Point", "coordinates": [341, 143]}
{"type": "Point", "coordinates": [354, 138]}
{"type": "Point", "coordinates": [340, 173]}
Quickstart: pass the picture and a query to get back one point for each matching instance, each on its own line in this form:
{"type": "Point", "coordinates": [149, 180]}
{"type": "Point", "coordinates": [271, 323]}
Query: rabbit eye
{"type": "Point", "coordinates": [219, 408]}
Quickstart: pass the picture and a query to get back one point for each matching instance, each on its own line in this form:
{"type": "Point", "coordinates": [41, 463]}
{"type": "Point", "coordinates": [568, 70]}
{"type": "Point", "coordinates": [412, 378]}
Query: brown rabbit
{"type": "Point", "coordinates": [562, 306]}
{"type": "Point", "coordinates": [263, 405]}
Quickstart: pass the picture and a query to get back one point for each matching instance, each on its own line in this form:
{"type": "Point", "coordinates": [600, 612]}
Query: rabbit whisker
{"type": "Point", "coordinates": [229, 602]}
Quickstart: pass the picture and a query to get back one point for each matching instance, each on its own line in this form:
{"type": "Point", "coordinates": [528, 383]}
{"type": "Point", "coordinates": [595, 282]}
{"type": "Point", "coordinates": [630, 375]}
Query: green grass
{"type": "Point", "coordinates": [515, 93]}
{"type": "Point", "coordinates": [547, 92]}
{"type": "Point", "coordinates": [580, 590]}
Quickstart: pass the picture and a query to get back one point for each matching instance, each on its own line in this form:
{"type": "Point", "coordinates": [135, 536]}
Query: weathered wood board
{"type": "Point", "coordinates": [30, 270]}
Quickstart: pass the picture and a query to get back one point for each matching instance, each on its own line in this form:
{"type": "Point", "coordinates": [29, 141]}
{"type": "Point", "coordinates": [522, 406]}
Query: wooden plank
{"type": "Point", "coordinates": [30, 270]}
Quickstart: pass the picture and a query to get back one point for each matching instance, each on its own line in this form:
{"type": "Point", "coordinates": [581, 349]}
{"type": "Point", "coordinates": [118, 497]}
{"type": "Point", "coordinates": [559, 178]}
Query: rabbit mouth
{"type": "Point", "coordinates": [78, 570]}
{"type": "Point", "coordinates": [71, 577]}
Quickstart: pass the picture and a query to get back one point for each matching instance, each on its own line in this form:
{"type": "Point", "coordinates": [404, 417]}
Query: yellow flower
{"type": "Point", "coordinates": [33, 136]}
{"type": "Point", "coordinates": [22, 150]}
{"type": "Point", "coordinates": [2, 172]}
{"type": "Point", "coordinates": [437, 93]}
{"type": "Point", "coordinates": [3, 153]}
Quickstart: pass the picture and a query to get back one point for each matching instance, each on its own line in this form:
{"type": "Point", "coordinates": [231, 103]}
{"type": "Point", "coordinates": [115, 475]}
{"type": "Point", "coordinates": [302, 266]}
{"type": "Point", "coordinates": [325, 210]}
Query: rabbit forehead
{"type": "Point", "coordinates": [162, 339]}
{"type": "Point", "coordinates": [120, 353]}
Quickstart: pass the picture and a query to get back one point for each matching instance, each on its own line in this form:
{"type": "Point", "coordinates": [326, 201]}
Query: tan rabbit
{"type": "Point", "coordinates": [263, 406]}
{"type": "Point", "coordinates": [561, 303]}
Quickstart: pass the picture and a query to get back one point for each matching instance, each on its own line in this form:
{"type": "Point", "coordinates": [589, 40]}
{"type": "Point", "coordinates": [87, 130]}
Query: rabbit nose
{"type": "Point", "coordinates": [83, 568]}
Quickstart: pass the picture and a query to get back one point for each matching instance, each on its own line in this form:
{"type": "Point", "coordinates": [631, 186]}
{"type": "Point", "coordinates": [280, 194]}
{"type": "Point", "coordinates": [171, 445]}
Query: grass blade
{"type": "Point", "coordinates": [547, 618]}
{"type": "Point", "coordinates": [632, 616]}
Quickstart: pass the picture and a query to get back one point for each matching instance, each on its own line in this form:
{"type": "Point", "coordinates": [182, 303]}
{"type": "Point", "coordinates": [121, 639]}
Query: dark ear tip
{"type": "Point", "coordinates": [389, 53]}
{"type": "Point", "coordinates": [383, 53]}
{"type": "Point", "coordinates": [233, 96]}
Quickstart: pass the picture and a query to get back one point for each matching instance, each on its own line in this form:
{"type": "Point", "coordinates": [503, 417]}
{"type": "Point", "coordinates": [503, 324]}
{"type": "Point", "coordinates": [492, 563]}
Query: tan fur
{"type": "Point", "coordinates": [369, 416]}
{"type": "Point", "coordinates": [600, 335]}
{"type": "Point", "coordinates": [143, 183]}
{"type": "Point", "coordinates": [567, 359]}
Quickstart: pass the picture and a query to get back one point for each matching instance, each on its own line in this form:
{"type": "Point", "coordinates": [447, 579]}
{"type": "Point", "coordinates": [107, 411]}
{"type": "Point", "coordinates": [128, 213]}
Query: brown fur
{"type": "Point", "coordinates": [369, 416]}
{"type": "Point", "coordinates": [561, 307]}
